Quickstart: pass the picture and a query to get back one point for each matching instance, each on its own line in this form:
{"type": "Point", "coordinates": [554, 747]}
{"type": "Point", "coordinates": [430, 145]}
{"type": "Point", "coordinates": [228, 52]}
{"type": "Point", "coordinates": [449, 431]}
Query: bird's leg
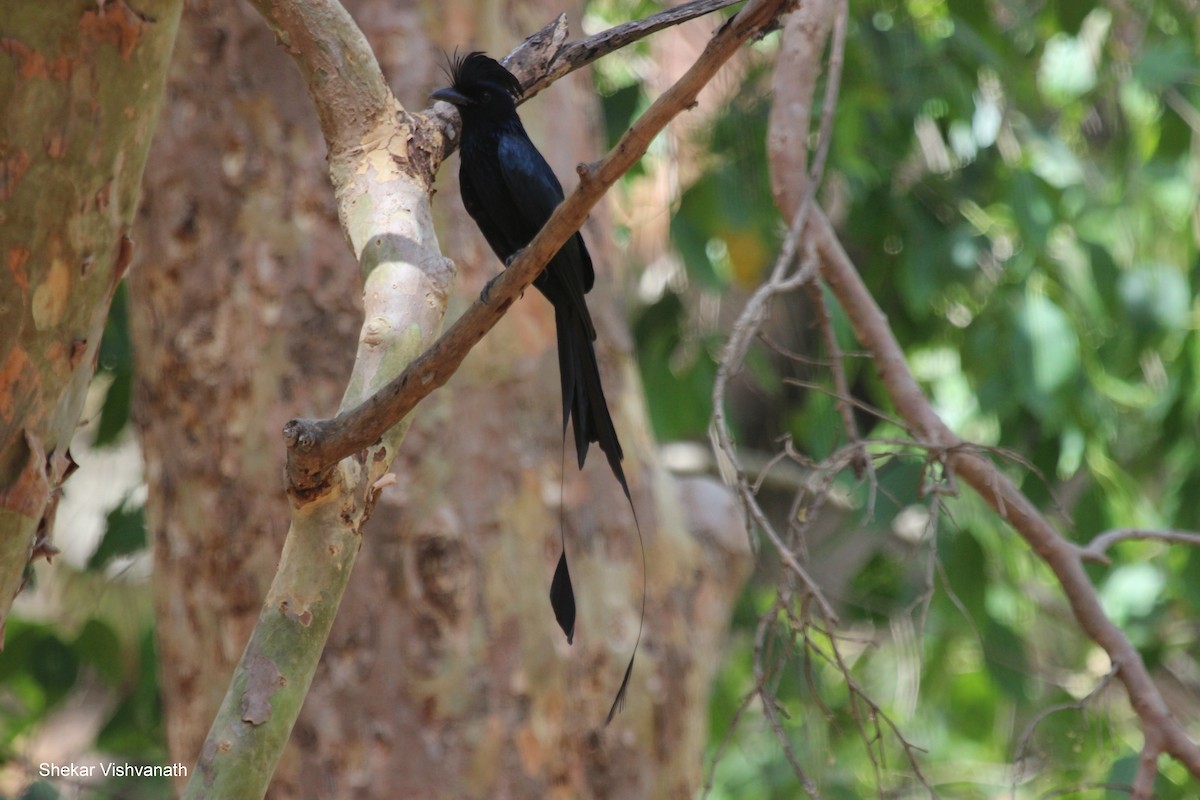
{"type": "Point", "coordinates": [508, 261]}
{"type": "Point", "coordinates": [487, 287]}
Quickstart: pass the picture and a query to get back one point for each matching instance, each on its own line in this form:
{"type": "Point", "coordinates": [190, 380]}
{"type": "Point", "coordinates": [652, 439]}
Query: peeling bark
{"type": "Point", "coordinates": [80, 86]}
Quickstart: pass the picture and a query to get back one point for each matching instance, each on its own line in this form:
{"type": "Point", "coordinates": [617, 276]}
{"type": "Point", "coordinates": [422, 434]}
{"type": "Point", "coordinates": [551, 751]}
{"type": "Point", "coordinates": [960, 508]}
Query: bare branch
{"type": "Point", "coordinates": [842, 397]}
{"type": "Point", "coordinates": [543, 58]}
{"type": "Point", "coordinates": [746, 328]}
{"type": "Point", "coordinates": [1063, 558]}
{"type": "Point", "coordinates": [767, 696]}
{"type": "Point", "coordinates": [1147, 769]}
{"type": "Point", "coordinates": [578, 54]}
{"type": "Point", "coordinates": [381, 165]}
{"type": "Point", "coordinates": [1023, 741]}
{"type": "Point", "coordinates": [793, 87]}
{"type": "Point", "coordinates": [1096, 550]}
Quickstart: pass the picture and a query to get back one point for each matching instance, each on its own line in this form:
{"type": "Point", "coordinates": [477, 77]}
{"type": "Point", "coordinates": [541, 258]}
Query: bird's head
{"type": "Point", "coordinates": [480, 84]}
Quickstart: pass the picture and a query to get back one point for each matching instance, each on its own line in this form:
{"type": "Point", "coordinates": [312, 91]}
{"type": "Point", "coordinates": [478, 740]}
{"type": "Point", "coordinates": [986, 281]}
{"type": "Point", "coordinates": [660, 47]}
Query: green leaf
{"type": "Point", "coordinates": [1046, 349]}
{"type": "Point", "coordinates": [124, 533]}
{"type": "Point", "coordinates": [965, 564]}
{"type": "Point", "coordinates": [817, 425]}
{"type": "Point", "coordinates": [41, 790]}
{"type": "Point", "coordinates": [116, 351]}
{"type": "Point", "coordinates": [135, 727]}
{"type": "Point", "coordinates": [98, 646]}
{"type": "Point", "coordinates": [1167, 63]}
{"type": "Point", "coordinates": [971, 703]}
{"type": "Point", "coordinates": [53, 665]}
{"type": "Point", "coordinates": [677, 375]}
{"type": "Point", "coordinates": [1066, 71]}
{"type": "Point", "coordinates": [1156, 297]}
{"type": "Point", "coordinates": [1006, 661]}
{"type": "Point", "coordinates": [1189, 585]}
{"type": "Point", "coordinates": [620, 107]}
{"type": "Point", "coordinates": [1132, 591]}
{"type": "Point", "coordinates": [692, 228]}
{"type": "Point", "coordinates": [1034, 208]}
{"type": "Point", "coordinates": [114, 413]}
{"type": "Point", "coordinates": [1071, 13]}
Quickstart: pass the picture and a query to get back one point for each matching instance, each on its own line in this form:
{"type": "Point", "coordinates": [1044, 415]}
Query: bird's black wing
{"type": "Point", "coordinates": [535, 192]}
{"type": "Point", "coordinates": [486, 198]}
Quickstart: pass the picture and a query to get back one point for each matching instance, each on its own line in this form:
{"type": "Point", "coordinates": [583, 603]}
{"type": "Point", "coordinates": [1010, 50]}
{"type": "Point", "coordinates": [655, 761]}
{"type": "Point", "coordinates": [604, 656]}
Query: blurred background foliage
{"type": "Point", "coordinates": [1018, 184]}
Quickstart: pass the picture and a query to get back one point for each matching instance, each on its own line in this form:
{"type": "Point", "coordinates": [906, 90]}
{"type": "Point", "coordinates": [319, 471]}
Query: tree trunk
{"type": "Point", "coordinates": [445, 674]}
{"type": "Point", "coordinates": [80, 88]}
{"type": "Point", "coordinates": [244, 313]}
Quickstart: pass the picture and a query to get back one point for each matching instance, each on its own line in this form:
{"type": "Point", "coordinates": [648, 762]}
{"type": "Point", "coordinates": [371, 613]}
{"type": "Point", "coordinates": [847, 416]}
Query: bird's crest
{"type": "Point", "coordinates": [476, 69]}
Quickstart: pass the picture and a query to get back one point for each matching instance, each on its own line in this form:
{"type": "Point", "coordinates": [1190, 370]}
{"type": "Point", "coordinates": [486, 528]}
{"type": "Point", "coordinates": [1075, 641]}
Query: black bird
{"type": "Point", "coordinates": [510, 191]}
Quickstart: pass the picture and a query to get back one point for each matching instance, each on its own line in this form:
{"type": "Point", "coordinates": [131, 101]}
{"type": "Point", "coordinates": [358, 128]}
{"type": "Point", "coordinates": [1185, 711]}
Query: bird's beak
{"type": "Point", "coordinates": [451, 96]}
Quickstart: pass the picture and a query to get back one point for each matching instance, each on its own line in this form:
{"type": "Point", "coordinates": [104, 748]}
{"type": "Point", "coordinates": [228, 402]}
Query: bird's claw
{"type": "Point", "coordinates": [487, 290]}
{"type": "Point", "coordinates": [487, 287]}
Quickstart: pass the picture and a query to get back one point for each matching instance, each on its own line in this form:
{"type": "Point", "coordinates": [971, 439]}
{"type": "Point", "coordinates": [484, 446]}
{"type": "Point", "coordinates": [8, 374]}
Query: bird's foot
{"type": "Point", "coordinates": [508, 261]}
{"type": "Point", "coordinates": [487, 289]}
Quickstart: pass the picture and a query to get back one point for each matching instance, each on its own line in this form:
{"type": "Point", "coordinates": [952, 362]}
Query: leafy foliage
{"type": "Point", "coordinates": [1019, 189]}
{"type": "Point", "coordinates": [94, 657]}
{"type": "Point", "coordinates": [1017, 183]}
{"type": "Point", "coordinates": [116, 361]}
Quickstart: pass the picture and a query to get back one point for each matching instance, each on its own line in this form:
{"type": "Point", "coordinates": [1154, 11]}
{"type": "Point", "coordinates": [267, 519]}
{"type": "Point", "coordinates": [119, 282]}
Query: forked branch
{"type": "Point", "coordinates": [314, 445]}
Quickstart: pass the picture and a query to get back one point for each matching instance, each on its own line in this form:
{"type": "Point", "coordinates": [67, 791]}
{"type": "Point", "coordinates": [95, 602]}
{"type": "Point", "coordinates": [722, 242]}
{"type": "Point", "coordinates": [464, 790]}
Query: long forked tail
{"type": "Point", "coordinates": [583, 395]}
{"type": "Point", "coordinates": [585, 406]}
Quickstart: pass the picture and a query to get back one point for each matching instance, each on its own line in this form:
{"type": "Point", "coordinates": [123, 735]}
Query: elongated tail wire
{"type": "Point", "coordinates": [619, 701]}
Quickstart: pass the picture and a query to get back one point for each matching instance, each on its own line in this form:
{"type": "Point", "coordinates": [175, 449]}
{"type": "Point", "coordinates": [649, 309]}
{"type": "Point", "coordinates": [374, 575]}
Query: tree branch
{"type": "Point", "coordinates": [314, 445]}
{"type": "Point", "coordinates": [543, 57]}
{"type": "Point", "coordinates": [870, 325]}
{"type": "Point", "coordinates": [1096, 550]}
{"type": "Point", "coordinates": [783, 277]}
{"type": "Point", "coordinates": [578, 54]}
{"type": "Point", "coordinates": [343, 78]}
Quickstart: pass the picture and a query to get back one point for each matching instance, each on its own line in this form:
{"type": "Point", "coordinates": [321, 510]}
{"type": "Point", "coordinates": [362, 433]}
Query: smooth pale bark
{"type": "Point", "coordinates": [444, 675]}
{"type": "Point", "coordinates": [245, 303]}
{"type": "Point", "coordinates": [80, 89]}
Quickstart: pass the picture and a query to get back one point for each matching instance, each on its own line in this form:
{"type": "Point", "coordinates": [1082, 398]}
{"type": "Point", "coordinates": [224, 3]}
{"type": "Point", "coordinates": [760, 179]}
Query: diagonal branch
{"type": "Point", "coordinates": [314, 445]}
{"type": "Point", "coordinates": [546, 56]}
{"type": "Point", "coordinates": [578, 54]}
{"type": "Point", "coordinates": [1096, 550]}
{"type": "Point", "coordinates": [1163, 733]}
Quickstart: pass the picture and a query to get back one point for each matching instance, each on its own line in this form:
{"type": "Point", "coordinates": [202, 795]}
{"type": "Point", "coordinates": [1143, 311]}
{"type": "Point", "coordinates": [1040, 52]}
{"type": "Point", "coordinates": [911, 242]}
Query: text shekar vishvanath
{"type": "Point", "coordinates": [112, 770]}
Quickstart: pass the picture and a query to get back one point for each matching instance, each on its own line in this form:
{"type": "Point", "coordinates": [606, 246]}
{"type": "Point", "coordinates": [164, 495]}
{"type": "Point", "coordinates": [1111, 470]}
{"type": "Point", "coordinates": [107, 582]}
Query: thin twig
{"type": "Point", "coordinates": [768, 700]}
{"type": "Point", "coordinates": [876, 713]}
{"type": "Point", "coordinates": [748, 324]}
{"type": "Point", "coordinates": [546, 56]}
{"type": "Point", "coordinates": [816, 296]}
{"type": "Point", "coordinates": [719, 753]}
{"type": "Point", "coordinates": [1097, 549]}
{"type": "Point", "coordinates": [849, 400]}
{"type": "Point", "coordinates": [574, 55]}
{"type": "Point", "coordinates": [1026, 737]}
